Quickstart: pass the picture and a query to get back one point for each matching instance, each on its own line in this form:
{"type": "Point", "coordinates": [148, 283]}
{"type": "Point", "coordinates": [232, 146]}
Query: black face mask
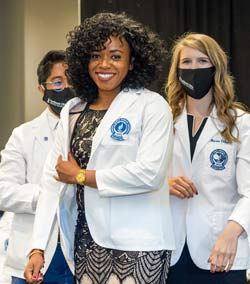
{"type": "Point", "coordinates": [57, 100]}
{"type": "Point", "coordinates": [196, 82]}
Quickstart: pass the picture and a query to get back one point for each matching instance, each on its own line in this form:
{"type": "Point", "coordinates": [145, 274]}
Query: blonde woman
{"type": "Point", "coordinates": [209, 180]}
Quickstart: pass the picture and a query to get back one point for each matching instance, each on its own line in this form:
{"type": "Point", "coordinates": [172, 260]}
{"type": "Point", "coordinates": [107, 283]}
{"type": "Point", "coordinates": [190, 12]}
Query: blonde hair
{"type": "Point", "coordinates": [223, 87]}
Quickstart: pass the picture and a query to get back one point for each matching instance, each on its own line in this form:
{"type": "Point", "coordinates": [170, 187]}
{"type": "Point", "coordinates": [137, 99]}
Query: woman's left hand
{"type": "Point", "coordinates": [223, 253]}
{"type": "Point", "coordinates": [67, 170]}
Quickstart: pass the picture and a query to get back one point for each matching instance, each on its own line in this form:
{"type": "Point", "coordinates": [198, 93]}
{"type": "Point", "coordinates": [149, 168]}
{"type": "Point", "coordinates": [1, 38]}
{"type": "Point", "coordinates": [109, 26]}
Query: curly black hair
{"type": "Point", "coordinates": [147, 50]}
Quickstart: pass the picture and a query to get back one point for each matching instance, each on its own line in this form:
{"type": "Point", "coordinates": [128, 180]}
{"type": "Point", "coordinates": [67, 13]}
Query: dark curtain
{"type": "Point", "coordinates": [227, 21]}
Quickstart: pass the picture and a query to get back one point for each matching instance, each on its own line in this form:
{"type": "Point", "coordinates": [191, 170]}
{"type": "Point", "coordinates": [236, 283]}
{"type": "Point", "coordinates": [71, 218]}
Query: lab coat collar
{"type": "Point", "coordinates": [181, 129]}
{"type": "Point", "coordinates": [212, 127]}
{"type": "Point", "coordinates": [73, 105]}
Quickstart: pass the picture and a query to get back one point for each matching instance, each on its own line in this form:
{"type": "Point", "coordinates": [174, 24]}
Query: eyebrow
{"type": "Point", "coordinates": [111, 51]}
{"type": "Point", "coordinates": [201, 57]}
{"type": "Point", "coordinates": [56, 77]}
{"type": "Point", "coordinates": [116, 50]}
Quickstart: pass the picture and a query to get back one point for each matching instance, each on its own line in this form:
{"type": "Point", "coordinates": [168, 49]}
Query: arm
{"type": "Point", "coordinates": [149, 169]}
{"type": "Point", "coordinates": [225, 248]}
{"type": "Point", "coordinates": [143, 175]}
{"type": "Point", "coordinates": [46, 211]}
{"type": "Point", "coordinates": [16, 193]}
{"type": "Point", "coordinates": [32, 272]}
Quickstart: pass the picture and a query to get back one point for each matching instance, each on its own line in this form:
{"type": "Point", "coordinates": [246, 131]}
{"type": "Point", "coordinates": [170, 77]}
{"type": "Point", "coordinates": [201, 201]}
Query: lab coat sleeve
{"type": "Point", "coordinates": [149, 169]}
{"type": "Point", "coordinates": [16, 194]}
{"type": "Point", "coordinates": [49, 196]}
{"type": "Point", "coordinates": [241, 212]}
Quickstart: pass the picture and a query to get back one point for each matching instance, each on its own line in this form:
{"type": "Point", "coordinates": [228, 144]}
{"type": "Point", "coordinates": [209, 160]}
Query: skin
{"type": "Point", "coordinates": [32, 272]}
{"type": "Point", "coordinates": [224, 250]}
{"type": "Point", "coordinates": [57, 74]}
{"type": "Point", "coordinates": [107, 68]}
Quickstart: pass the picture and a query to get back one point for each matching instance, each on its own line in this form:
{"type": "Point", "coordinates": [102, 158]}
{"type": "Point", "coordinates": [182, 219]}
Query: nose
{"type": "Point", "coordinates": [104, 63]}
{"type": "Point", "coordinates": [195, 65]}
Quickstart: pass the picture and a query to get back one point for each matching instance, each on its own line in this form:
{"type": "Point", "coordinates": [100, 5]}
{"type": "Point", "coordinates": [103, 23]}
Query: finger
{"type": "Point", "coordinates": [56, 178]}
{"type": "Point", "coordinates": [59, 159]}
{"type": "Point", "coordinates": [40, 278]}
{"type": "Point", "coordinates": [28, 274]}
{"type": "Point", "coordinates": [221, 262]}
{"type": "Point", "coordinates": [193, 188]}
{"type": "Point", "coordinates": [70, 157]}
{"type": "Point", "coordinates": [178, 194]}
{"type": "Point", "coordinates": [230, 263]}
{"type": "Point", "coordinates": [212, 261]}
{"type": "Point", "coordinates": [189, 185]}
{"type": "Point", "coordinates": [182, 189]}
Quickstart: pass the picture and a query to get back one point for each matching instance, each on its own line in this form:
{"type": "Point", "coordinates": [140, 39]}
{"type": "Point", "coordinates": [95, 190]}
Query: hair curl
{"type": "Point", "coordinates": [147, 51]}
{"type": "Point", "coordinates": [223, 87]}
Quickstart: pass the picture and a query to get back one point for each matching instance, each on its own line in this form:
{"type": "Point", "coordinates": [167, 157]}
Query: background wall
{"type": "Point", "coordinates": [28, 29]}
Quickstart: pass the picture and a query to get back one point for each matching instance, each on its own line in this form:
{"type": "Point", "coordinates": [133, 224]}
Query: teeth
{"type": "Point", "coordinates": [105, 76]}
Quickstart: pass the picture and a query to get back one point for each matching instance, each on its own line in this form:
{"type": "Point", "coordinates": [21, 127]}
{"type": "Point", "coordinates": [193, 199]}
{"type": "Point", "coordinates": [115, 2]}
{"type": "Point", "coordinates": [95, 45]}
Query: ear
{"type": "Point", "coordinates": [131, 65]}
{"type": "Point", "coordinates": [41, 89]}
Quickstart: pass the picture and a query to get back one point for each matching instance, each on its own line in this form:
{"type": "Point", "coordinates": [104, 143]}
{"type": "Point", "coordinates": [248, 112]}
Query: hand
{"type": "Point", "coordinates": [182, 187]}
{"type": "Point", "coordinates": [223, 253]}
{"type": "Point", "coordinates": [32, 271]}
{"type": "Point", "coordinates": [67, 170]}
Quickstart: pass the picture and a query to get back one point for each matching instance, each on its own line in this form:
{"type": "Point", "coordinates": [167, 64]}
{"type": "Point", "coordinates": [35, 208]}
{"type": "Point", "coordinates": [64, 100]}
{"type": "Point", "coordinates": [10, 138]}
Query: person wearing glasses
{"type": "Point", "coordinates": [21, 168]}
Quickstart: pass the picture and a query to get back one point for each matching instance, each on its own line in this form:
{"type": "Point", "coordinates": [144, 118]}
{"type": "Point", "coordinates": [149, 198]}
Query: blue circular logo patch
{"type": "Point", "coordinates": [218, 159]}
{"type": "Point", "coordinates": [120, 129]}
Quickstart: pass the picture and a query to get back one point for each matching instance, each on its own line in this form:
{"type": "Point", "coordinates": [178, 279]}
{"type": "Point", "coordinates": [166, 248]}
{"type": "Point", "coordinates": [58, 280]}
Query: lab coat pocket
{"type": "Point", "coordinates": [135, 222]}
{"type": "Point", "coordinates": [19, 241]}
{"type": "Point", "coordinates": [218, 221]}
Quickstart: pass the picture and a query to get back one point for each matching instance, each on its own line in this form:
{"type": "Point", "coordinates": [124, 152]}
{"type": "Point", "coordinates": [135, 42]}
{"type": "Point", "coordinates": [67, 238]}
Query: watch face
{"type": "Point", "coordinates": [80, 177]}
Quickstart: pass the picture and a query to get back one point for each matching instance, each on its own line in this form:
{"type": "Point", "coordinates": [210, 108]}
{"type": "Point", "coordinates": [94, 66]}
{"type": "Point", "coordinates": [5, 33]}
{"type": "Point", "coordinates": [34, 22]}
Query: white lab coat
{"type": "Point", "coordinates": [224, 189]}
{"type": "Point", "coordinates": [130, 209]}
{"type": "Point", "coordinates": [21, 167]}
{"type": "Point", "coordinates": [5, 226]}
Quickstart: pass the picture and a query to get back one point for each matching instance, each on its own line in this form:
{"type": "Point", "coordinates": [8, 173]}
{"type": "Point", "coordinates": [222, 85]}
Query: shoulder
{"type": "Point", "coordinates": [29, 125]}
{"type": "Point", "coordinates": [151, 98]}
{"type": "Point", "coordinates": [73, 105]}
{"type": "Point", "coordinates": [243, 121]}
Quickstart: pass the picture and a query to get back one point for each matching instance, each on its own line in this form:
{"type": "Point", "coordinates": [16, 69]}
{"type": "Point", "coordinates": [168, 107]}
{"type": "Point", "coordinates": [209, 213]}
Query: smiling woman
{"type": "Point", "coordinates": [114, 202]}
{"type": "Point", "coordinates": [108, 67]}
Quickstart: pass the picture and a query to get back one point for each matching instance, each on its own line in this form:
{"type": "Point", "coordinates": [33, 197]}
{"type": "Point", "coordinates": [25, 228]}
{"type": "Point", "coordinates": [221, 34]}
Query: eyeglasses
{"type": "Point", "coordinates": [58, 85]}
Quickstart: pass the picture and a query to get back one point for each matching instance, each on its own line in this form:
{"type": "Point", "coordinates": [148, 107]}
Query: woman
{"type": "Point", "coordinates": [119, 135]}
{"type": "Point", "coordinates": [209, 184]}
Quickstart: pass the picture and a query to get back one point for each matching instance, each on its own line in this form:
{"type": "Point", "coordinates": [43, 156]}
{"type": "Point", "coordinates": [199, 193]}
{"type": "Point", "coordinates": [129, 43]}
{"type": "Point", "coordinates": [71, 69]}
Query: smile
{"type": "Point", "coordinates": [105, 76]}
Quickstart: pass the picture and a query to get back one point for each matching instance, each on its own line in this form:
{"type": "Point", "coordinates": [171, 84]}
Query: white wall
{"type": "Point", "coordinates": [47, 23]}
{"type": "Point", "coordinates": [28, 29]}
{"type": "Point", "coordinates": [11, 66]}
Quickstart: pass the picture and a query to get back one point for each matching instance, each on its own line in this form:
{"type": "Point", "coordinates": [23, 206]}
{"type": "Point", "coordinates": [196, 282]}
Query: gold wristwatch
{"type": "Point", "coordinates": [81, 177]}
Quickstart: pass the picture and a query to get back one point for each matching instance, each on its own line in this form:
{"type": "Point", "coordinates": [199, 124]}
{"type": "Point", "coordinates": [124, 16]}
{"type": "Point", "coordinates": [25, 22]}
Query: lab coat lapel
{"type": "Point", "coordinates": [43, 133]}
{"type": "Point", "coordinates": [73, 105]}
{"type": "Point", "coordinates": [122, 102]}
{"type": "Point", "coordinates": [212, 127]}
{"type": "Point", "coordinates": [181, 130]}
